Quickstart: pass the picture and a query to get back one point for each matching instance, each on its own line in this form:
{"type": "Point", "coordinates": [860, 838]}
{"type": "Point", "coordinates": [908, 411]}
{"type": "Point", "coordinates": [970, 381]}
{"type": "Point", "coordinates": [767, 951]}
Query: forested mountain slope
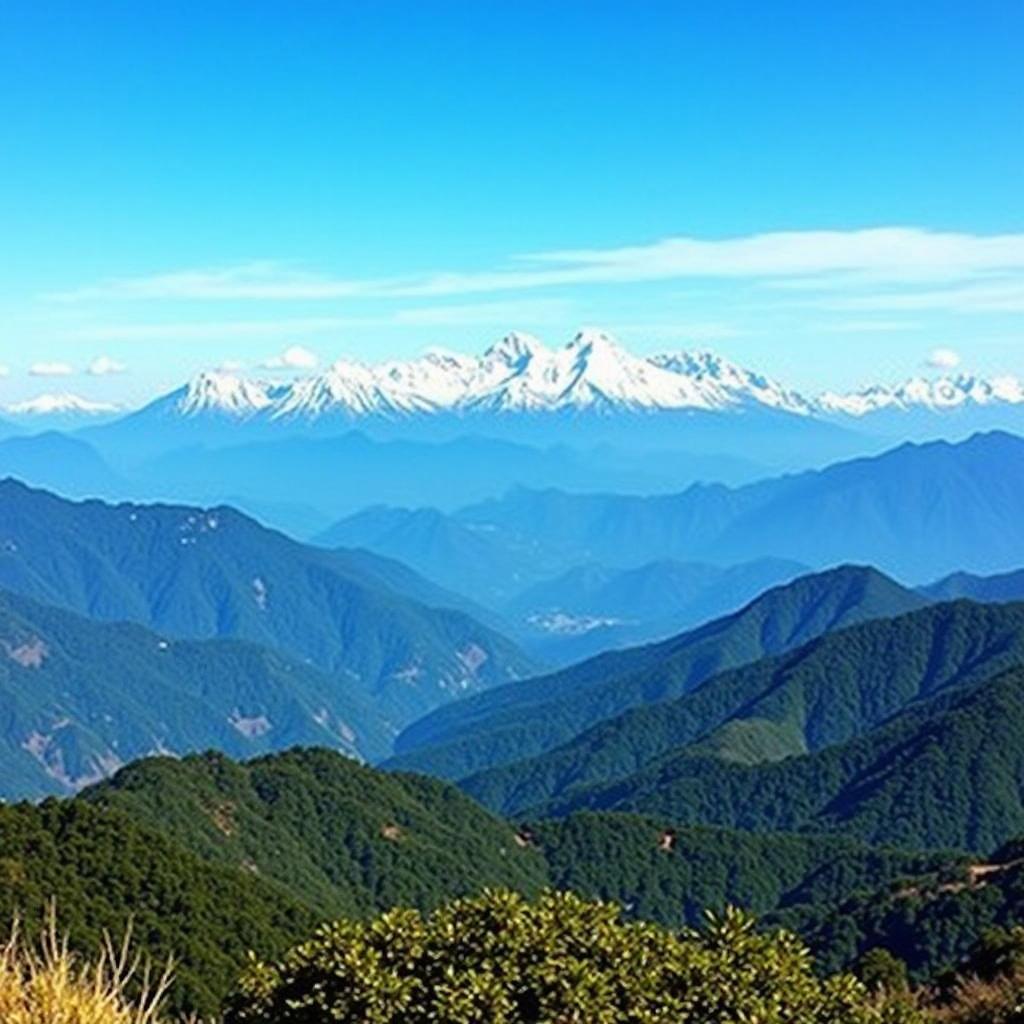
{"type": "Point", "coordinates": [80, 698]}
{"type": "Point", "coordinates": [944, 772]}
{"type": "Point", "coordinates": [211, 858]}
{"type": "Point", "coordinates": [102, 872]}
{"type": "Point", "coordinates": [514, 722]}
{"type": "Point", "coordinates": [203, 573]}
{"type": "Point", "coordinates": [930, 921]}
{"type": "Point", "coordinates": [829, 691]}
{"type": "Point", "coordinates": [343, 837]}
{"type": "Point", "coordinates": [662, 871]}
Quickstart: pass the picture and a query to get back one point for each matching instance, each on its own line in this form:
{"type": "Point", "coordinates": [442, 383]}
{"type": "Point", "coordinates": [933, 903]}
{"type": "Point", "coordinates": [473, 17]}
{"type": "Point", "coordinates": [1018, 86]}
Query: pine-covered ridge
{"type": "Point", "coordinates": [830, 691]}
{"type": "Point", "coordinates": [511, 723]}
{"type": "Point", "coordinates": [344, 838]}
{"type": "Point", "coordinates": [210, 858]}
{"type": "Point", "coordinates": [943, 772]}
{"type": "Point", "coordinates": [927, 920]}
{"type": "Point", "coordinates": [103, 871]}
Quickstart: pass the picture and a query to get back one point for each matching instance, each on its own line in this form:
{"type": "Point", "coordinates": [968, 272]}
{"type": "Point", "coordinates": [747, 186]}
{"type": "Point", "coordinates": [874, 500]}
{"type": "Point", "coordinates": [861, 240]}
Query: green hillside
{"type": "Point", "coordinates": [102, 870]}
{"type": "Point", "coordinates": [930, 921]}
{"type": "Point", "coordinates": [349, 839]}
{"type": "Point", "coordinates": [208, 573]}
{"type": "Point", "coordinates": [827, 692]}
{"type": "Point", "coordinates": [944, 773]}
{"type": "Point", "coordinates": [209, 858]}
{"type": "Point", "coordinates": [344, 838]}
{"type": "Point", "coordinates": [662, 871]}
{"type": "Point", "coordinates": [80, 698]}
{"type": "Point", "coordinates": [515, 722]}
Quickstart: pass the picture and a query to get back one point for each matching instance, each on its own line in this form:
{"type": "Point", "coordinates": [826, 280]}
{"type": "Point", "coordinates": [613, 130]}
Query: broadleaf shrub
{"type": "Point", "coordinates": [501, 959]}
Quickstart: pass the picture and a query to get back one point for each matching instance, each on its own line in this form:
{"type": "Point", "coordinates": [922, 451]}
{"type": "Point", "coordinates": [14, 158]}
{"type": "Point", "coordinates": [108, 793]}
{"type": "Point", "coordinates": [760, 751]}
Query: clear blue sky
{"type": "Point", "coordinates": [188, 183]}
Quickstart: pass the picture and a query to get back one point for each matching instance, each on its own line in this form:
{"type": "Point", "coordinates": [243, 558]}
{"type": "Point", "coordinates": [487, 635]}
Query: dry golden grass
{"type": "Point", "coordinates": [976, 1001]}
{"type": "Point", "coordinates": [47, 984]}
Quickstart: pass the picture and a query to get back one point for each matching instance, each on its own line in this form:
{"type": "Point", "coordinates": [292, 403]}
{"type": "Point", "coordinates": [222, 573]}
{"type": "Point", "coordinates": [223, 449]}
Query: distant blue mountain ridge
{"type": "Point", "coordinates": [917, 512]}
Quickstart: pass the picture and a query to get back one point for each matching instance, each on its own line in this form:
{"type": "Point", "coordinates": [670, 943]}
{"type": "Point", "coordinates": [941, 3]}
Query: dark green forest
{"type": "Point", "coordinates": [511, 723]}
{"type": "Point", "coordinates": [210, 859]}
{"type": "Point", "coordinates": [838, 689]}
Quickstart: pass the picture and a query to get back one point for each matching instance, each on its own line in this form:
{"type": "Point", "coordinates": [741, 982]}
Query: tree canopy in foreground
{"type": "Point", "coordinates": [503, 959]}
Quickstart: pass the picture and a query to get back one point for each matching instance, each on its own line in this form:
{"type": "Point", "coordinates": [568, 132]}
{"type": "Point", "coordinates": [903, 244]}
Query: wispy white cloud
{"type": "Point", "coordinates": [679, 332]}
{"type": "Point", "coordinates": [1002, 296]}
{"type": "Point", "coordinates": [898, 253]}
{"type": "Point", "coordinates": [203, 330]}
{"type": "Point", "coordinates": [51, 370]}
{"type": "Point", "coordinates": [229, 366]}
{"type": "Point", "coordinates": [482, 313]}
{"type": "Point", "coordinates": [255, 280]}
{"type": "Point", "coordinates": [295, 357]}
{"type": "Point", "coordinates": [468, 314]}
{"type": "Point", "coordinates": [943, 359]}
{"type": "Point", "coordinates": [104, 366]}
{"type": "Point", "coordinates": [5, 371]}
{"type": "Point", "coordinates": [820, 258]}
{"type": "Point", "coordinates": [870, 326]}
{"type": "Point", "coordinates": [828, 259]}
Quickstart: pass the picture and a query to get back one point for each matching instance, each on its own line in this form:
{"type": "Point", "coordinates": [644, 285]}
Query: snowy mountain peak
{"type": "Point", "coordinates": [593, 339]}
{"type": "Point", "coordinates": [698, 363]}
{"type": "Point", "coordinates": [227, 394]}
{"type": "Point", "coordinates": [602, 374]}
{"type": "Point", "coordinates": [515, 350]}
{"type": "Point", "coordinates": [441, 357]}
{"type": "Point", "coordinates": [61, 405]}
{"type": "Point", "coordinates": [345, 385]}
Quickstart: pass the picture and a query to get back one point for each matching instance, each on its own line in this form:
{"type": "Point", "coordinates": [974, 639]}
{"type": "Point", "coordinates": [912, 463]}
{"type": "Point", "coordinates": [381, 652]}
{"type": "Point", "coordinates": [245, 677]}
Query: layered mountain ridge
{"type": "Point", "coordinates": [380, 632]}
{"type": "Point", "coordinates": [515, 722]}
{"type": "Point", "coordinates": [918, 512]}
{"type": "Point", "coordinates": [82, 697]}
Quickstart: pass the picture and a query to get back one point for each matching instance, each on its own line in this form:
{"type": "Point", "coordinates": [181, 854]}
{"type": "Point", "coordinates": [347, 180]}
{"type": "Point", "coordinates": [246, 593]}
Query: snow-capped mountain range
{"type": "Point", "coordinates": [519, 374]}
{"type": "Point", "coordinates": [64, 404]}
{"type": "Point", "coordinates": [939, 394]}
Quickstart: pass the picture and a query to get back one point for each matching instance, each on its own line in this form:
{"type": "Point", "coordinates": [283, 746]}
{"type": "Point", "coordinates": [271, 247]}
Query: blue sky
{"type": "Point", "coordinates": [826, 192]}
